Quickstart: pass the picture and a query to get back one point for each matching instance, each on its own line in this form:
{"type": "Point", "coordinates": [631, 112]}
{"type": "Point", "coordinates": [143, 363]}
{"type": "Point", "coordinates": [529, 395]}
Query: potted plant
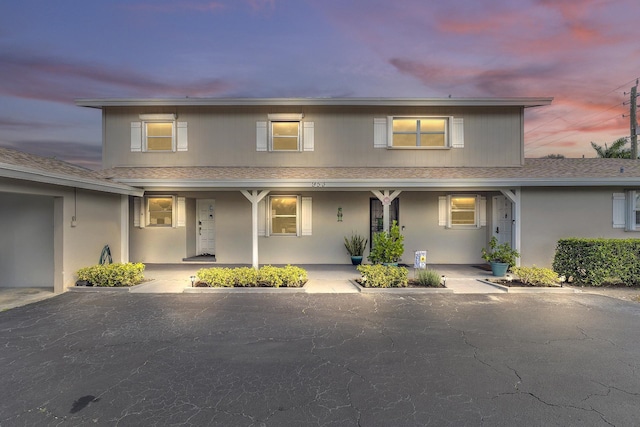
{"type": "Point", "coordinates": [355, 246]}
{"type": "Point", "coordinates": [501, 257]}
{"type": "Point", "coordinates": [387, 247]}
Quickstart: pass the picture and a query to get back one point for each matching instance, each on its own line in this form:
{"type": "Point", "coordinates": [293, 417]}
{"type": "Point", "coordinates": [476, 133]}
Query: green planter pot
{"type": "Point", "coordinates": [499, 269]}
{"type": "Point", "coordinates": [356, 260]}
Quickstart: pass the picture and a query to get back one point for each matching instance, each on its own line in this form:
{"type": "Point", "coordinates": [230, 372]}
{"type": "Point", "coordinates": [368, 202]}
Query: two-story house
{"type": "Point", "coordinates": [251, 181]}
{"type": "Point", "coordinates": [284, 180]}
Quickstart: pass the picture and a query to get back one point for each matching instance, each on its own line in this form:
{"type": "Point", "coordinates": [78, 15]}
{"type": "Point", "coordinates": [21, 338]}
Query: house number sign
{"type": "Point", "coordinates": [318, 184]}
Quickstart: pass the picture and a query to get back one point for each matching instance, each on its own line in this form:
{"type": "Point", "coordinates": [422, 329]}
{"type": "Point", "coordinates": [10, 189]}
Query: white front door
{"type": "Point", "coordinates": [502, 220]}
{"type": "Point", "coordinates": [205, 227]}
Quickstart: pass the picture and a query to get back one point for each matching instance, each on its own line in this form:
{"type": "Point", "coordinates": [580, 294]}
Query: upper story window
{"type": "Point", "coordinates": [159, 136]}
{"type": "Point", "coordinates": [285, 136]}
{"type": "Point", "coordinates": [159, 133]}
{"type": "Point", "coordinates": [420, 132]}
{"type": "Point", "coordinates": [285, 132]}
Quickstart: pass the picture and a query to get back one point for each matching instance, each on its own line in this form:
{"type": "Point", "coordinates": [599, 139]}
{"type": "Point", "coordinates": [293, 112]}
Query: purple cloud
{"type": "Point", "coordinates": [54, 79]}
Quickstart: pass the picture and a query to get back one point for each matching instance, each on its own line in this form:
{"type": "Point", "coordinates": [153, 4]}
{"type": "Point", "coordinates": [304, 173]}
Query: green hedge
{"type": "Point", "coordinates": [112, 275]}
{"type": "Point", "coordinates": [383, 276]}
{"type": "Point", "coordinates": [267, 276]}
{"type": "Point", "coordinates": [596, 262]}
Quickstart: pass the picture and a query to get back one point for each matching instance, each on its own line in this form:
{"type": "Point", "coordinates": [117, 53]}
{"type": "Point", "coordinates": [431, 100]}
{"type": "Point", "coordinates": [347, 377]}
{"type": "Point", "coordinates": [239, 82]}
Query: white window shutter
{"type": "Point", "coordinates": [619, 210]}
{"type": "Point", "coordinates": [307, 218]}
{"type": "Point", "coordinates": [181, 215]}
{"type": "Point", "coordinates": [482, 207]}
{"type": "Point", "coordinates": [262, 217]}
{"type": "Point", "coordinates": [136, 136]}
{"type": "Point", "coordinates": [307, 137]}
{"type": "Point", "coordinates": [138, 212]}
{"type": "Point", "coordinates": [380, 132]}
{"type": "Point", "coordinates": [443, 209]}
{"type": "Point", "coordinates": [261, 136]}
{"type": "Point", "coordinates": [182, 144]}
{"type": "Point", "coordinates": [457, 132]}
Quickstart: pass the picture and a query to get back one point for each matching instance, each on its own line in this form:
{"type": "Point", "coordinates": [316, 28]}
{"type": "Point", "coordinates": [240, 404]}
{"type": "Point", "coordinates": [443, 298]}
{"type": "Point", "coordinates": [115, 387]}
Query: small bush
{"type": "Point", "coordinates": [112, 275]}
{"type": "Point", "coordinates": [536, 276]}
{"type": "Point", "coordinates": [387, 247]}
{"type": "Point", "coordinates": [269, 276]}
{"type": "Point", "coordinates": [383, 276]}
{"type": "Point", "coordinates": [428, 277]}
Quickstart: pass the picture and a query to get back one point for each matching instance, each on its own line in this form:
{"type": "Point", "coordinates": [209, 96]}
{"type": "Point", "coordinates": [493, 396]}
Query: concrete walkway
{"type": "Point", "coordinates": [323, 279]}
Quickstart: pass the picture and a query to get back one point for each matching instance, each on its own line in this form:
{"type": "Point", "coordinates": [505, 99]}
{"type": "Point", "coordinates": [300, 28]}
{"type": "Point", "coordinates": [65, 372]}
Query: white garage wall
{"type": "Point", "coordinates": [26, 241]}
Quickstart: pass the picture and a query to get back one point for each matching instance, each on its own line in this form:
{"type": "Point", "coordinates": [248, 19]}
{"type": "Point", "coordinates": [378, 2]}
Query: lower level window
{"type": "Point", "coordinates": [284, 215]}
{"type": "Point", "coordinates": [160, 211]}
{"type": "Point", "coordinates": [463, 210]}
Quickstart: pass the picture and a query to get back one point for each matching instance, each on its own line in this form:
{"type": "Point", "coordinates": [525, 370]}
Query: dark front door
{"type": "Point", "coordinates": [375, 215]}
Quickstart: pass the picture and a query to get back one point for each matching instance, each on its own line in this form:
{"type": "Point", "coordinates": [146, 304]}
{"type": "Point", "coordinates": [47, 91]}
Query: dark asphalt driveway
{"type": "Point", "coordinates": [341, 360]}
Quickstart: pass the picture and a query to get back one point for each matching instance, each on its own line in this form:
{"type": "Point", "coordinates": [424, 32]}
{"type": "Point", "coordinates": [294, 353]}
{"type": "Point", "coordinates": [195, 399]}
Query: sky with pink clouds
{"type": "Point", "coordinates": [585, 54]}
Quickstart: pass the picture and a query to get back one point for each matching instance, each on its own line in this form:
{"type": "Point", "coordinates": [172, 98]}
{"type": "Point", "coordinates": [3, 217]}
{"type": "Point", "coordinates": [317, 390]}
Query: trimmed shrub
{"type": "Point", "coordinates": [245, 277]}
{"type": "Point", "coordinates": [218, 277]}
{"type": "Point", "coordinates": [112, 275]}
{"type": "Point", "coordinates": [428, 277]}
{"type": "Point", "coordinates": [596, 262]}
{"type": "Point", "coordinates": [268, 276]}
{"type": "Point", "coordinates": [383, 276]}
{"type": "Point", "coordinates": [293, 276]}
{"type": "Point", "coordinates": [536, 276]}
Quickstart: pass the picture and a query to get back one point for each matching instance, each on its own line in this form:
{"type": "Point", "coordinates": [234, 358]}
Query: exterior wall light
{"type": "Point", "coordinates": [339, 214]}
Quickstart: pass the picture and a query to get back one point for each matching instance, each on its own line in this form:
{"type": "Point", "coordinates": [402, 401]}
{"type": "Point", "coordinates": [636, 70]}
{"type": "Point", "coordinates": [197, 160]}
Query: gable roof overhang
{"type": "Point", "coordinates": [525, 102]}
{"type": "Point", "coordinates": [22, 173]}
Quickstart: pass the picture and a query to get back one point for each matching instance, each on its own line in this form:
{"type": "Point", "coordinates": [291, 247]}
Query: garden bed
{"type": "Point", "coordinates": [516, 286]}
{"type": "Point", "coordinates": [410, 288]}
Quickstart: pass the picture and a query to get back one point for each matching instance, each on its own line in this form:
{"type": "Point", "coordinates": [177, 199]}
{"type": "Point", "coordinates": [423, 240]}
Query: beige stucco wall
{"type": "Point", "coordinates": [225, 136]}
{"type": "Point", "coordinates": [550, 214]}
{"type": "Point", "coordinates": [98, 222]}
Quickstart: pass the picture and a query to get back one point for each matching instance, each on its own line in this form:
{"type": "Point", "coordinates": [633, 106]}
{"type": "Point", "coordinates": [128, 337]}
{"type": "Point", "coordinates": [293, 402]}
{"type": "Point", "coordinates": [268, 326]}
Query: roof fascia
{"type": "Point", "coordinates": [319, 184]}
{"type": "Point", "coordinates": [33, 175]}
{"type": "Point", "coordinates": [350, 102]}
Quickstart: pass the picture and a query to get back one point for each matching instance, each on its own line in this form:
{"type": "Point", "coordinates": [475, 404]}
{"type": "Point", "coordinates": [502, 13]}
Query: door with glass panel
{"type": "Point", "coordinates": [205, 228]}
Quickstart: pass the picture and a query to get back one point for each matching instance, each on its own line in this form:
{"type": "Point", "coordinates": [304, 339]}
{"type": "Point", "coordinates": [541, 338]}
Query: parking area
{"type": "Point", "coordinates": [333, 359]}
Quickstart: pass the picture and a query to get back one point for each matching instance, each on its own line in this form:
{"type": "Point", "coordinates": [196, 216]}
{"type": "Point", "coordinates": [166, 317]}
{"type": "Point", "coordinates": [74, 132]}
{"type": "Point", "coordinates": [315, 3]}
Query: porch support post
{"type": "Point", "coordinates": [124, 229]}
{"type": "Point", "coordinates": [386, 197]}
{"type": "Point", "coordinates": [254, 196]}
{"type": "Point", "coordinates": [515, 197]}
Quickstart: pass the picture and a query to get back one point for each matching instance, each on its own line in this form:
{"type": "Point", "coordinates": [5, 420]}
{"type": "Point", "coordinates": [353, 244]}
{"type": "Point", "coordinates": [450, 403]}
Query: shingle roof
{"type": "Point", "coordinates": [45, 164]}
{"type": "Point", "coordinates": [18, 165]}
{"type": "Point", "coordinates": [562, 170]}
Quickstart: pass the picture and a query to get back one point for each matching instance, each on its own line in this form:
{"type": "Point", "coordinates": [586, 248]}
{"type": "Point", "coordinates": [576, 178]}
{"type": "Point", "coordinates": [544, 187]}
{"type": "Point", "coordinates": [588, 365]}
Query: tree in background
{"type": "Point", "coordinates": [616, 150]}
